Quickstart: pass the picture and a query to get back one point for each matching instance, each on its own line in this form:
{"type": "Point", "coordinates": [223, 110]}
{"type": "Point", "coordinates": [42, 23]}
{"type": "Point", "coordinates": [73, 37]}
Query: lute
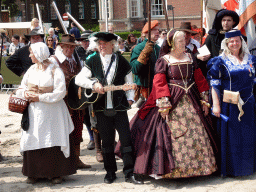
{"type": "Point", "coordinates": [79, 98]}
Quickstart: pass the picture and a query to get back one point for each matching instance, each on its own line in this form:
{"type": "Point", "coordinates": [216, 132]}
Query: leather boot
{"type": "Point", "coordinates": [80, 164]}
{"type": "Point", "coordinates": [97, 140]}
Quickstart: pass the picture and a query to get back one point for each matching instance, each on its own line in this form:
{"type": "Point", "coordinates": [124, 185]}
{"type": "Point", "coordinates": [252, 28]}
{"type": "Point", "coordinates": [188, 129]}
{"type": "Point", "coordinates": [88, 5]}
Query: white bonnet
{"type": "Point", "coordinates": [41, 51]}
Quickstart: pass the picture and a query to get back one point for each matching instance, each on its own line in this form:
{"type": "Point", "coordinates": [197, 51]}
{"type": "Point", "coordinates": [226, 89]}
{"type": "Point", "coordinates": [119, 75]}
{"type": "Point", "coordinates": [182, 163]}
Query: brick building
{"type": "Point", "coordinates": [129, 15]}
{"type": "Point", "coordinates": [84, 11]}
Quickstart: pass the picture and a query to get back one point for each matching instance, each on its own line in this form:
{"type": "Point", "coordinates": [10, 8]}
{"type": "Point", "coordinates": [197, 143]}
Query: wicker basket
{"type": "Point", "coordinates": [17, 104]}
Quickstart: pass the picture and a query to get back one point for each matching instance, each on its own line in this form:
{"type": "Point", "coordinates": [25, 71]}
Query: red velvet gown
{"type": "Point", "coordinates": [182, 145]}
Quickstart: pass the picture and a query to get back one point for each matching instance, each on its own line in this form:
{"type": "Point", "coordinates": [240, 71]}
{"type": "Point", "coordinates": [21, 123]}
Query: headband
{"type": "Point", "coordinates": [233, 34]}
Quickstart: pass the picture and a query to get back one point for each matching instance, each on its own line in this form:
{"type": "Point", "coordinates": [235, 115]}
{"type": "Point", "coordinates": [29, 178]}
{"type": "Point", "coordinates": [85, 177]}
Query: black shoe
{"type": "Point", "coordinates": [110, 177]}
{"type": "Point", "coordinates": [91, 145]}
{"type": "Point", "coordinates": [133, 178]}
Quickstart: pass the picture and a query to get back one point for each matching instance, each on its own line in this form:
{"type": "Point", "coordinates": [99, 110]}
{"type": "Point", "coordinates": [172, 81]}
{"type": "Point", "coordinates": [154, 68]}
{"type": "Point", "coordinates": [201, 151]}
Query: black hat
{"type": "Point", "coordinates": [85, 35]}
{"type": "Point", "coordinates": [216, 26]}
{"type": "Point", "coordinates": [105, 36]}
{"type": "Point", "coordinates": [34, 32]}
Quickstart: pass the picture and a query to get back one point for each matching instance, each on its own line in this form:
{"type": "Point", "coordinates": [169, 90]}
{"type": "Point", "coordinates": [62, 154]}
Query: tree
{"type": "Point", "coordinates": [12, 6]}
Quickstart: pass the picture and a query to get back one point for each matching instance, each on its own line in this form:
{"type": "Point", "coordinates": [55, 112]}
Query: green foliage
{"type": "Point", "coordinates": [92, 27]}
{"type": "Point", "coordinates": [13, 7]}
{"type": "Point", "coordinates": [124, 35]}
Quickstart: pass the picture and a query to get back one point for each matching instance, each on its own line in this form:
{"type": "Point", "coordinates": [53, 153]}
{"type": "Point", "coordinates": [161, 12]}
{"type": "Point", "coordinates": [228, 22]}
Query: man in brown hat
{"type": "Point", "coordinates": [83, 53]}
{"type": "Point", "coordinates": [20, 61]}
{"type": "Point", "coordinates": [71, 65]}
{"type": "Point", "coordinates": [191, 44]}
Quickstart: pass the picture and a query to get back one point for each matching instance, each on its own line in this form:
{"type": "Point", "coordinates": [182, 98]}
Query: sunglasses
{"type": "Point", "coordinates": [50, 40]}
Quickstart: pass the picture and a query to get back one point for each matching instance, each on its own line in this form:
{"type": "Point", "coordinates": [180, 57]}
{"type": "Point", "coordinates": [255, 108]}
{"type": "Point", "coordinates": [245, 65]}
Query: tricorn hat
{"type": "Point", "coordinates": [85, 35]}
{"type": "Point", "coordinates": [104, 36]}
{"type": "Point", "coordinates": [34, 32]}
{"type": "Point", "coordinates": [186, 26]}
{"type": "Point", "coordinates": [68, 40]}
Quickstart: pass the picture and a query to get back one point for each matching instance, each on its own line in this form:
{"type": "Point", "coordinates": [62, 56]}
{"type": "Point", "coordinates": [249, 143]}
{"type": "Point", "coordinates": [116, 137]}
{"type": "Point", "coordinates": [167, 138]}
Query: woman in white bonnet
{"type": "Point", "coordinates": [46, 147]}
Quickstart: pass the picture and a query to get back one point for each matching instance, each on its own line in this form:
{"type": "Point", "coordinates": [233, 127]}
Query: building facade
{"type": "Point", "coordinates": [130, 15]}
{"type": "Point", "coordinates": [84, 11]}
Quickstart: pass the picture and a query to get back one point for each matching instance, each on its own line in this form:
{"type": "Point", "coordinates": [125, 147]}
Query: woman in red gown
{"type": "Point", "coordinates": [172, 131]}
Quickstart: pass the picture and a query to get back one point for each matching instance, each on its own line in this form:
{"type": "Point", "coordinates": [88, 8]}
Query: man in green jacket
{"type": "Point", "coordinates": [143, 59]}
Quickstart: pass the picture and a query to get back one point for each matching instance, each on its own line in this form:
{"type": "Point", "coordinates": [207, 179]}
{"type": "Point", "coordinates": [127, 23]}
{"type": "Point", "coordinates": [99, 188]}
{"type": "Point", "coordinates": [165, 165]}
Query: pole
{"type": "Point", "coordinates": [149, 20]}
{"type": "Point", "coordinates": [106, 16]}
{"type": "Point", "coordinates": [76, 22]}
{"type": "Point", "coordinates": [166, 16]}
{"type": "Point", "coordinates": [149, 39]}
{"type": "Point", "coordinates": [59, 17]}
{"type": "Point", "coordinates": [2, 44]}
{"type": "Point", "coordinates": [201, 35]}
{"type": "Point", "coordinates": [39, 17]}
{"type": "Point", "coordinates": [173, 17]}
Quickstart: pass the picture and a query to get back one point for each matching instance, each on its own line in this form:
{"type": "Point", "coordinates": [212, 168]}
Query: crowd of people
{"type": "Point", "coordinates": [184, 98]}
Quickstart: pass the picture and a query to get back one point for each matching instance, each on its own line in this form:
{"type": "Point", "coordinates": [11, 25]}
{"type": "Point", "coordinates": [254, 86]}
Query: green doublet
{"type": "Point", "coordinates": [140, 70]}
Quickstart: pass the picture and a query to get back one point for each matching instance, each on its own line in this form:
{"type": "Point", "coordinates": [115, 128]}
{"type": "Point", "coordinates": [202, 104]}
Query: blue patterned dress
{"type": "Point", "coordinates": [237, 138]}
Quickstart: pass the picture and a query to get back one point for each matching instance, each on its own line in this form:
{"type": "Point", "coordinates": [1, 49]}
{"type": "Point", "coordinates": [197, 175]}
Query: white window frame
{"type": "Point", "coordinates": [109, 4]}
{"type": "Point", "coordinates": [32, 10]}
{"type": "Point", "coordinates": [137, 7]}
{"type": "Point", "coordinates": [53, 13]}
{"type": "Point", "coordinates": [81, 9]}
{"type": "Point", "coordinates": [93, 10]}
{"type": "Point", "coordinates": [155, 4]}
{"type": "Point", "coordinates": [4, 8]}
{"type": "Point", "coordinates": [67, 6]}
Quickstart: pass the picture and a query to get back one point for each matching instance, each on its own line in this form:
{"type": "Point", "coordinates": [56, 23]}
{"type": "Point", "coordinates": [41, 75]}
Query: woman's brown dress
{"type": "Point", "coordinates": [182, 145]}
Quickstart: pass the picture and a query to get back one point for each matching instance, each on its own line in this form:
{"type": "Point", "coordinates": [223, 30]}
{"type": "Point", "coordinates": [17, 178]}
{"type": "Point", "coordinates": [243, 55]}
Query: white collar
{"type": "Point", "coordinates": [234, 60]}
{"type": "Point", "coordinates": [106, 58]}
{"type": "Point", "coordinates": [62, 57]}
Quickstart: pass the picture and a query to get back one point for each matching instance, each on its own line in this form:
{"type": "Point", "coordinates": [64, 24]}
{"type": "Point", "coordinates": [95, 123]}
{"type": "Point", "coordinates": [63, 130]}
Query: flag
{"type": "Point", "coordinates": [247, 14]}
{"type": "Point", "coordinates": [210, 8]}
{"type": "Point", "coordinates": [230, 4]}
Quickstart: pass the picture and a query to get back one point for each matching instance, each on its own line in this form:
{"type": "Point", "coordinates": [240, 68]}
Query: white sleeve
{"type": "Point", "coordinates": [11, 49]}
{"type": "Point", "coordinates": [129, 94]}
{"type": "Point", "coordinates": [23, 85]}
{"type": "Point", "coordinates": [53, 60]}
{"type": "Point", "coordinates": [83, 78]}
{"type": "Point", "coordinates": [59, 90]}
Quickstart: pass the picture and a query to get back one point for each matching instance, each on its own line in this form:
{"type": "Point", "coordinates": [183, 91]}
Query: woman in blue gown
{"type": "Point", "coordinates": [234, 70]}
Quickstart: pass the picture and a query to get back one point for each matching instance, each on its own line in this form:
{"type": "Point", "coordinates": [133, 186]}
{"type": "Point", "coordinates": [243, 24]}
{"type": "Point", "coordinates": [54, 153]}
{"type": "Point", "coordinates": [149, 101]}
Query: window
{"type": "Point", "coordinates": [53, 13]}
{"type": "Point", "coordinates": [32, 11]}
{"type": "Point", "coordinates": [93, 9]}
{"type": "Point", "coordinates": [135, 7]}
{"type": "Point", "coordinates": [81, 9]}
{"type": "Point", "coordinates": [4, 8]}
{"type": "Point", "coordinates": [68, 6]}
{"type": "Point", "coordinates": [103, 9]}
{"type": "Point", "coordinates": [157, 7]}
